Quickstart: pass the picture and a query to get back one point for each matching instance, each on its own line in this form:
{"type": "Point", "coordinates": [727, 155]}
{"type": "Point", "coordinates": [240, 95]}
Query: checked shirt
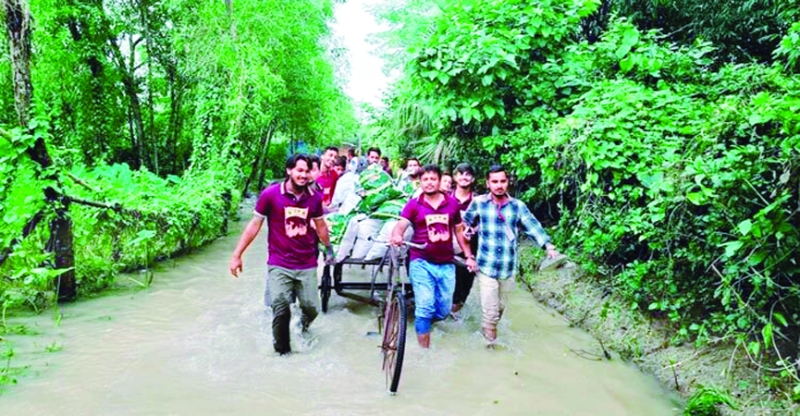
{"type": "Point", "coordinates": [498, 229]}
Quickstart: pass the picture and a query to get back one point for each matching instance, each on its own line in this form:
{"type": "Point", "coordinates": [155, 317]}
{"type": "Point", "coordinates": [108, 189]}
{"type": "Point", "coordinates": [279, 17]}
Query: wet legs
{"type": "Point", "coordinates": [284, 286]}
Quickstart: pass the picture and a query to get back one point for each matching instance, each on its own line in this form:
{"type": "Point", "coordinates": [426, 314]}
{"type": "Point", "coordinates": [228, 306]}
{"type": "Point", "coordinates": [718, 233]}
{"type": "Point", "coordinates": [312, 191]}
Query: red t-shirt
{"type": "Point", "coordinates": [327, 181]}
{"type": "Point", "coordinates": [433, 227]}
{"type": "Point", "coordinates": [292, 241]}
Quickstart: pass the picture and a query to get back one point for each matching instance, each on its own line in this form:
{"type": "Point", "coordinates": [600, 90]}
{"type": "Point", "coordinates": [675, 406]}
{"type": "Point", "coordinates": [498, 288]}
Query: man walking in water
{"type": "Point", "coordinates": [464, 179]}
{"type": "Point", "coordinates": [499, 216]}
{"type": "Point", "coordinates": [435, 218]}
{"type": "Point", "coordinates": [289, 207]}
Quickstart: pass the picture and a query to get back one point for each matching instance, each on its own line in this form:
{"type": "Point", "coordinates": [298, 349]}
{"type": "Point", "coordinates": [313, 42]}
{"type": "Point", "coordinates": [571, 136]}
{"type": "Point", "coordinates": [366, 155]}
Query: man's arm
{"type": "Point", "coordinates": [533, 228]}
{"type": "Point", "coordinates": [249, 234]}
{"type": "Point", "coordinates": [399, 231]}
{"type": "Point", "coordinates": [408, 213]}
{"type": "Point", "coordinates": [472, 264]}
{"type": "Point", "coordinates": [471, 214]}
{"type": "Point", "coordinates": [322, 231]}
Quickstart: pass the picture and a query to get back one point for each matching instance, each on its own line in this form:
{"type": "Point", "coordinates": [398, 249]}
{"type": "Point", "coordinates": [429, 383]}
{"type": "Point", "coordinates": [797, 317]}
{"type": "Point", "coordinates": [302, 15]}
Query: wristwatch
{"type": "Point", "coordinates": [471, 257]}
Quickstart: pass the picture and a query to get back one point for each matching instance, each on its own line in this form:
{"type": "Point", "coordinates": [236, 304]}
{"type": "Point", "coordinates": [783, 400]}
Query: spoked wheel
{"type": "Point", "coordinates": [394, 340]}
{"type": "Point", "coordinates": [325, 288]}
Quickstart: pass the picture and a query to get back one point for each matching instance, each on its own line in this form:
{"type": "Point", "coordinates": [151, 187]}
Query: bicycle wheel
{"type": "Point", "coordinates": [394, 340]}
{"type": "Point", "coordinates": [325, 288]}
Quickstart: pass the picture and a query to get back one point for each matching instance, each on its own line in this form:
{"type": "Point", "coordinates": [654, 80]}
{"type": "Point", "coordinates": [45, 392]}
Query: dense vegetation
{"type": "Point", "coordinates": [141, 125]}
{"type": "Point", "coordinates": [668, 165]}
{"type": "Point", "coordinates": [660, 140]}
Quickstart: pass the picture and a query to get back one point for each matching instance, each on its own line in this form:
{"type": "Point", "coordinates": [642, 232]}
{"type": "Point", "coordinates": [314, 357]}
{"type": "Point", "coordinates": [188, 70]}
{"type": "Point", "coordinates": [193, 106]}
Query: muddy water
{"type": "Point", "coordinates": [198, 342]}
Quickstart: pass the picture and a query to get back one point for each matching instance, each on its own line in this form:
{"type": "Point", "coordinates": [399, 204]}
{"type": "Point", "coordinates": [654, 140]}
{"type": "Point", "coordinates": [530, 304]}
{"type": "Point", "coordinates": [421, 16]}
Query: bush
{"type": "Point", "coordinates": [672, 176]}
{"type": "Point", "coordinates": [678, 183]}
{"type": "Point", "coordinates": [148, 218]}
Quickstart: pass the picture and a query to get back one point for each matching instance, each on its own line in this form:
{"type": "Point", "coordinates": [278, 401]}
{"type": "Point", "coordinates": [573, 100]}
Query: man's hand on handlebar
{"type": "Point", "coordinates": [397, 240]}
{"type": "Point", "coordinates": [472, 264]}
{"type": "Point", "coordinates": [330, 257]}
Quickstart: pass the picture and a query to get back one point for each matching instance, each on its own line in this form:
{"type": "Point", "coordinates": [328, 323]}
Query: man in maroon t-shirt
{"type": "Point", "coordinates": [328, 176]}
{"type": "Point", "coordinates": [435, 218]}
{"type": "Point", "coordinates": [289, 207]}
{"type": "Point", "coordinates": [464, 179]}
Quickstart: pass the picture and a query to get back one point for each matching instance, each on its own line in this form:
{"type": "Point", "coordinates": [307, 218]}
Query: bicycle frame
{"type": "Point", "coordinates": [392, 306]}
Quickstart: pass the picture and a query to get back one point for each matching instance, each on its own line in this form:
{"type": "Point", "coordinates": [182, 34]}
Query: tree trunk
{"type": "Point", "coordinates": [18, 21]}
{"type": "Point", "coordinates": [176, 86]}
{"type": "Point", "coordinates": [266, 155]}
{"type": "Point", "coordinates": [129, 84]}
{"type": "Point", "coordinates": [18, 26]}
{"type": "Point", "coordinates": [260, 151]}
{"type": "Point", "coordinates": [133, 159]}
{"type": "Point", "coordinates": [77, 26]}
{"type": "Point", "coordinates": [60, 243]}
{"type": "Point", "coordinates": [152, 138]}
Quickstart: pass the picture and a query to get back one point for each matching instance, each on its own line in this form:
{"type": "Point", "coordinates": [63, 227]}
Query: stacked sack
{"type": "Point", "coordinates": [354, 230]}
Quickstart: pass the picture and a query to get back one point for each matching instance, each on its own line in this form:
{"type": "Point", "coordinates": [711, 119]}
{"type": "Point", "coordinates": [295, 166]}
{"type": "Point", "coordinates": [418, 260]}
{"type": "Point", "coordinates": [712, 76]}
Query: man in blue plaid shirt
{"type": "Point", "coordinates": [499, 217]}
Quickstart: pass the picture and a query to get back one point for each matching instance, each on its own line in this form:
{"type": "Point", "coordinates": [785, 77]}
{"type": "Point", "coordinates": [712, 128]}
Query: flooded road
{"type": "Point", "coordinates": [198, 342]}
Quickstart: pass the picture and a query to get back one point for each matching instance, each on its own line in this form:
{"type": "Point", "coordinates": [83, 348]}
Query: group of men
{"type": "Point", "coordinates": [325, 170]}
{"type": "Point", "coordinates": [486, 229]}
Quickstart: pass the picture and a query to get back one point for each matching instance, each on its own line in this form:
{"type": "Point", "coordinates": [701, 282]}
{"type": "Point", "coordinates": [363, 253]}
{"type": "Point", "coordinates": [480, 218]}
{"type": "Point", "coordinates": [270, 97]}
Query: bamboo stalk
{"type": "Point", "coordinates": [116, 207]}
{"type": "Point", "coordinates": [80, 182]}
{"type": "Point", "coordinates": [5, 134]}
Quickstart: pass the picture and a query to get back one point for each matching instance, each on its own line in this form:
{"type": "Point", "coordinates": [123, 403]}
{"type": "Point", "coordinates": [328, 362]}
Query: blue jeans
{"type": "Point", "coordinates": [433, 292]}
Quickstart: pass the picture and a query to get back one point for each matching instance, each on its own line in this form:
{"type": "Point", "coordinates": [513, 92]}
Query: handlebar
{"type": "Point", "coordinates": [405, 243]}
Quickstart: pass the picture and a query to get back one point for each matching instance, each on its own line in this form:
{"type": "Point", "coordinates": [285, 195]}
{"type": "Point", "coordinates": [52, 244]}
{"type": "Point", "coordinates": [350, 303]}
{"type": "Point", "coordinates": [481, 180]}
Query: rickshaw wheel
{"type": "Point", "coordinates": [325, 288]}
{"type": "Point", "coordinates": [394, 340]}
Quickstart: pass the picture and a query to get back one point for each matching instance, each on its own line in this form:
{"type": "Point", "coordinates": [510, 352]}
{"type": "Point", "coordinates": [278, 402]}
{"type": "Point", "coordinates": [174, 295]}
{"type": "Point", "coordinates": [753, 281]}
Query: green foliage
{"type": "Point", "coordinates": [743, 30]}
{"type": "Point", "coordinates": [7, 373]}
{"type": "Point", "coordinates": [169, 83]}
{"type": "Point", "coordinates": [669, 173]}
{"type": "Point", "coordinates": [673, 181]}
{"type": "Point", "coordinates": [706, 401]}
{"type": "Point", "coordinates": [478, 81]}
{"type": "Point", "coordinates": [789, 48]}
{"type": "Point", "coordinates": [154, 114]}
{"type": "Point", "coordinates": [163, 217]}
{"type": "Point", "coordinates": [399, 128]}
{"type": "Point", "coordinates": [148, 218]}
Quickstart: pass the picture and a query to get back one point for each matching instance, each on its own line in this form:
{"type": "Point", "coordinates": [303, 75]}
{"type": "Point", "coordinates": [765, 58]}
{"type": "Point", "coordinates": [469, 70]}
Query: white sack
{"type": "Point", "coordinates": [379, 248]}
{"type": "Point", "coordinates": [349, 238]}
{"type": "Point", "coordinates": [345, 186]}
{"type": "Point", "coordinates": [350, 203]}
{"type": "Point", "coordinates": [368, 230]}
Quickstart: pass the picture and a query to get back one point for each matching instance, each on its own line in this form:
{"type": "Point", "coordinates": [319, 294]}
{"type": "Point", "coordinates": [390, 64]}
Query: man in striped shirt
{"type": "Point", "coordinates": [499, 217]}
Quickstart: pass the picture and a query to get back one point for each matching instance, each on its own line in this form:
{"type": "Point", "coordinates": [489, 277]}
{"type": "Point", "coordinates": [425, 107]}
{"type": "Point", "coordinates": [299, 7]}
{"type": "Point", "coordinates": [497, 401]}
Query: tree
{"type": "Point", "coordinates": [18, 26]}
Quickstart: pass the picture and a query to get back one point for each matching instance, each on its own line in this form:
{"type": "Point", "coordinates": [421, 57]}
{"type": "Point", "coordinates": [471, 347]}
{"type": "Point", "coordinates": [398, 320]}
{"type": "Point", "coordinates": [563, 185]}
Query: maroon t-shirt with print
{"type": "Point", "coordinates": [292, 241]}
{"type": "Point", "coordinates": [433, 227]}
